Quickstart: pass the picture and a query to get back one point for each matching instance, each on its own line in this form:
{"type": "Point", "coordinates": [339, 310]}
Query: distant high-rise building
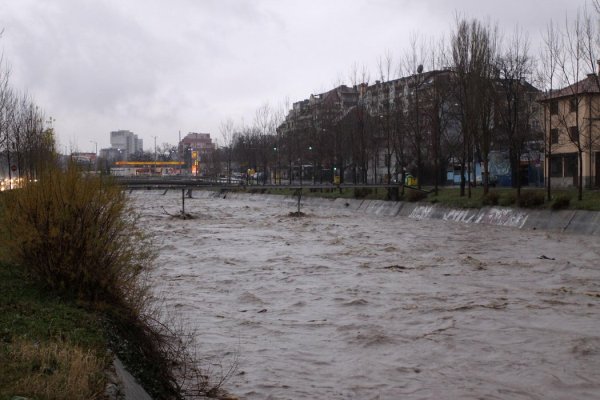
{"type": "Point", "coordinates": [126, 141]}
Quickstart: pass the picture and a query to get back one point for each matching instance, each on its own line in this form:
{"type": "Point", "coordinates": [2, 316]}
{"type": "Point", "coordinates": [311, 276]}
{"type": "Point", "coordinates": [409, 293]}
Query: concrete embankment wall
{"type": "Point", "coordinates": [570, 221]}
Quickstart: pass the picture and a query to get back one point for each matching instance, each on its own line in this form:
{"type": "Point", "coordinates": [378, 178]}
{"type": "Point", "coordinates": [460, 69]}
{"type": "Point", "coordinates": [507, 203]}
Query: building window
{"type": "Point", "coordinates": [554, 136]}
{"type": "Point", "coordinates": [574, 134]}
{"type": "Point", "coordinates": [554, 107]}
{"type": "Point", "coordinates": [573, 101]}
{"type": "Point", "coordinates": [556, 167]}
{"type": "Point", "coordinates": [571, 165]}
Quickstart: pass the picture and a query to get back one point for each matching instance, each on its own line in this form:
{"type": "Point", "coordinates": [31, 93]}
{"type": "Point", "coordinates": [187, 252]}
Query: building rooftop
{"type": "Point", "coordinates": [589, 85]}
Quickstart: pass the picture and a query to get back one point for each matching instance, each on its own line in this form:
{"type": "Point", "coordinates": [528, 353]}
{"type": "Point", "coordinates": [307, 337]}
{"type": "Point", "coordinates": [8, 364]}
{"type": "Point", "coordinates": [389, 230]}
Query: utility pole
{"type": "Point", "coordinates": [154, 148]}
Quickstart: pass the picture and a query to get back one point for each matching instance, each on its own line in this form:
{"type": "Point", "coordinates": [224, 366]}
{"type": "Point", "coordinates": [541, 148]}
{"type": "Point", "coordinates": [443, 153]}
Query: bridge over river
{"type": "Point", "coordinates": [222, 184]}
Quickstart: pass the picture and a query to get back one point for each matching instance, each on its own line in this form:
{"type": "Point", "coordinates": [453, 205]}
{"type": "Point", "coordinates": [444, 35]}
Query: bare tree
{"type": "Point", "coordinates": [359, 130]}
{"type": "Point", "coordinates": [227, 130]}
{"type": "Point", "coordinates": [385, 114]}
{"type": "Point", "coordinates": [514, 67]}
{"type": "Point", "coordinates": [441, 110]}
{"type": "Point", "coordinates": [263, 130]}
{"type": "Point", "coordinates": [6, 96]}
{"type": "Point", "coordinates": [415, 60]}
{"type": "Point", "coordinates": [571, 63]}
{"type": "Point", "coordinates": [591, 48]}
{"type": "Point", "coordinates": [548, 71]}
{"type": "Point", "coordinates": [473, 51]}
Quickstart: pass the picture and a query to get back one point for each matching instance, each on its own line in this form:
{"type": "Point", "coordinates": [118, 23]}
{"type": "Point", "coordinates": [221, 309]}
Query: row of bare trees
{"type": "Point", "coordinates": [26, 143]}
{"type": "Point", "coordinates": [442, 105]}
{"type": "Point", "coordinates": [568, 71]}
{"type": "Point", "coordinates": [251, 146]}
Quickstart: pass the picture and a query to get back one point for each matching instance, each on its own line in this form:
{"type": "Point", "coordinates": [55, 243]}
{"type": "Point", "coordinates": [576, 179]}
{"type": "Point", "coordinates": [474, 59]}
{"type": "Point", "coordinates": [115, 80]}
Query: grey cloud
{"type": "Point", "coordinates": [156, 67]}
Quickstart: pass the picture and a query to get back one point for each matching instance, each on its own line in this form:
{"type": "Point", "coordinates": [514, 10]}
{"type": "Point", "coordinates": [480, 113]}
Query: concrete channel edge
{"type": "Point", "coordinates": [570, 221]}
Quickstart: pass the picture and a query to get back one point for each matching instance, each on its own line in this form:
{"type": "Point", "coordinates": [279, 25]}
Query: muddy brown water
{"type": "Point", "coordinates": [341, 305]}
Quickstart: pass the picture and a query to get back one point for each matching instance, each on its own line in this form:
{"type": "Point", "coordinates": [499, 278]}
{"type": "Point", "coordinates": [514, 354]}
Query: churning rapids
{"type": "Point", "coordinates": [341, 305]}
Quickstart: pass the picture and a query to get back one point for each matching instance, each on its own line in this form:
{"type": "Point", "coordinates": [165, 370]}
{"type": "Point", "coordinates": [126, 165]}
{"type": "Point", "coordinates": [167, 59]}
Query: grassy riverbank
{"type": "Point", "coordinates": [450, 196]}
{"type": "Point", "coordinates": [74, 278]}
{"type": "Point", "coordinates": [54, 347]}
{"type": "Point", "coordinates": [50, 348]}
{"type": "Point", "coordinates": [73, 270]}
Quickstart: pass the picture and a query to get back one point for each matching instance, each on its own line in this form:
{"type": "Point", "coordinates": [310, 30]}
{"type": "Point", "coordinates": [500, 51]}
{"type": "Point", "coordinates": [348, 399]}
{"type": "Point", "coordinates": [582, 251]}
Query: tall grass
{"type": "Point", "coordinates": [53, 370]}
{"type": "Point", "coordinates": [49, 347]}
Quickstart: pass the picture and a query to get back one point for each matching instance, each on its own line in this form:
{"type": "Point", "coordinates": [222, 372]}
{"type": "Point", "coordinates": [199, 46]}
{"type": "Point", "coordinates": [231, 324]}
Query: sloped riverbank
{"type": "Point", "coordinates": [570, 221]}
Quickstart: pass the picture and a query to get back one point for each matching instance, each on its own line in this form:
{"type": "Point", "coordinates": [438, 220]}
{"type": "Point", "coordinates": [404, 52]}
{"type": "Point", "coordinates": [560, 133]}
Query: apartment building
{"type": "Point", "coordinates": [126, 142]}
{"type": "Point", "coordinates": [572, 133]}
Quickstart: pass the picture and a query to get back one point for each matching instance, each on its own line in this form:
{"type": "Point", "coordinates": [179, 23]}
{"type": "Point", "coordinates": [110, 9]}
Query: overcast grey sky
{"type": "Point", "coordinates": [160, 67]}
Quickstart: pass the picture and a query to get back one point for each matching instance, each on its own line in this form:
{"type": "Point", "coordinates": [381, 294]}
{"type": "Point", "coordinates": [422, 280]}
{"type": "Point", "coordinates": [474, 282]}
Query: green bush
{"type": "Point", "coordinates": [490, 199]}
{"type": "Point", "coordinates": [531, 199]}
{"type": "Point", "coordinates": [415, 195]}
{"type": "Point", "coordinates": [77, 235]}
{"type": "Point", "coordinates": [561, 202]}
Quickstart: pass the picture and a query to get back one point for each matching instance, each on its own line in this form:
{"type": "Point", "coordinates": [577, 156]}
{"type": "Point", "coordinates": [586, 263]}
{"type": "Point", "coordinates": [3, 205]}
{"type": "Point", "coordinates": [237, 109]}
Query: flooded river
{"type": "Point", "coordinates": [342, 305]}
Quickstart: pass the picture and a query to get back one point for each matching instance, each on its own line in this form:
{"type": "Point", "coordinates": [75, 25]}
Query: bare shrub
{"type": "Point", "coordinates": [168, 342]}
{"type": "Point", "coordinates": [77, 235]}
{"type": "Point", "coordinates": [200, 376]}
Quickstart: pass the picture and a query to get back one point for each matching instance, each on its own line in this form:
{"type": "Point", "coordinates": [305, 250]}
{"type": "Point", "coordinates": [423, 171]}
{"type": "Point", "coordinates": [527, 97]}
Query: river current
{"type": "Point", "coordinates": [343, 305]}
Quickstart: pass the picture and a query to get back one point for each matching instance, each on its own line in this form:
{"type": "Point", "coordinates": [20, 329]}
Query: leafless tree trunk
{"type": "Point", "coordinates": [514, 67]}
{"type": "Point", "coordinates": [570, 64]}
{"type": "Point", "coordinates": [473, 53]}
{"type": "Point", "coordinates": [549, 60]}
{"type": "Point", "coordinates": [227, 130]}
{"type": "Point", "coordinates": [414, 63]}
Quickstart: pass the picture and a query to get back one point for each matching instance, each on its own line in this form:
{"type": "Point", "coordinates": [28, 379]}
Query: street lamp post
{"type": "Point", "coordinates": [277, 163]}
{"type": "Point", "coordinates": [310, 156]}
{"type": "Point", "coordinates": [418, 128]}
